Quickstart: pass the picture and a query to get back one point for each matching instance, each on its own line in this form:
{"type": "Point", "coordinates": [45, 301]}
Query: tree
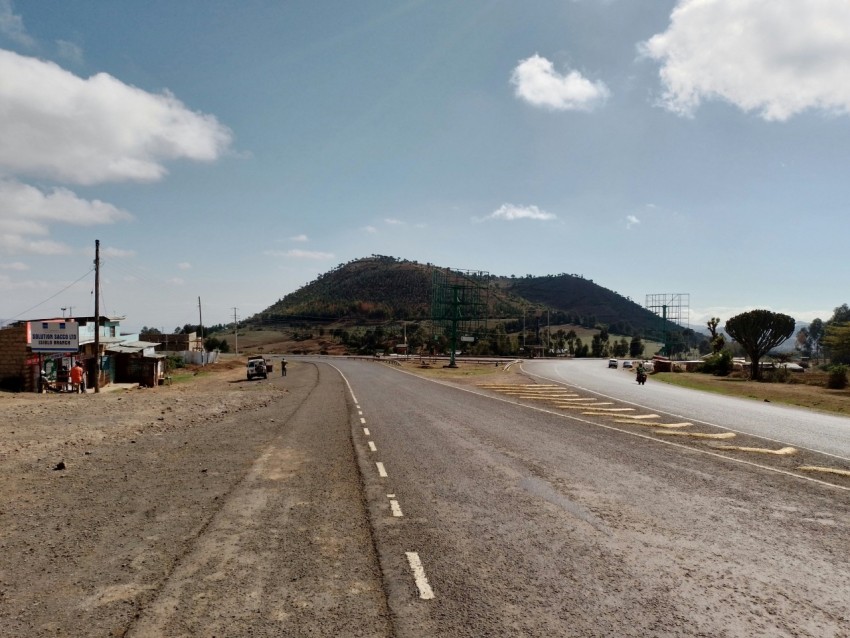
{"type": "Point", "coordinates": [712, 326]}
{"type": "Point", "coordinates": [636, 347]}
{"type": "Point", "coordinates": [836, 342]}
{"type": "Point", "coordinates": [758, 332]}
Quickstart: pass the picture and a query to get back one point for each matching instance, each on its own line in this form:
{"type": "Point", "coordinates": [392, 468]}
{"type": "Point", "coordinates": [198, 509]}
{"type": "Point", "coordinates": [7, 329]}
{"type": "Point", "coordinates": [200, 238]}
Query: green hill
{"type": "Point", "coordinates": [380, 289]}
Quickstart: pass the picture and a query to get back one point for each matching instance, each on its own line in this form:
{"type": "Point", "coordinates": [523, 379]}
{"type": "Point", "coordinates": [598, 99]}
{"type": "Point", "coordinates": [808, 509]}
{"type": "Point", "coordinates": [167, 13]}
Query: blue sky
{"type": "Point", "coordinates": [233, 151]}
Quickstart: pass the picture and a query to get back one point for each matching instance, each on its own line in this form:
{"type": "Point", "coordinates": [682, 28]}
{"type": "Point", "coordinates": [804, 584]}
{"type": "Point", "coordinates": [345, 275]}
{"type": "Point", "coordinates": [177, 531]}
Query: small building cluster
{"type": "Point", "coordinates": [38, 354]}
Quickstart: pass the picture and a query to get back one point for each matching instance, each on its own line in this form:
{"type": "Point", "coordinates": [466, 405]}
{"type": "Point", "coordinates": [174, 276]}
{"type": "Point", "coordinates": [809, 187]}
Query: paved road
{"type": "Point", "coordinates": [527, 522]}
{"type": "Point", "coordinates": [801, 428]}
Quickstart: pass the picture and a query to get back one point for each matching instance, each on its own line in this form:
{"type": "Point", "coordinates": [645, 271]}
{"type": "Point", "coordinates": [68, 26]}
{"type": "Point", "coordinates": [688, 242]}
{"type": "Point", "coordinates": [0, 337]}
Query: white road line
{"type": "Point", "coordinates": [360, 412]}
{"type": "Point", "coordinates": [362, 420]}
{"type": "Point", "coordinates": [372, 446]}
{"type": "Point", "coordinates": [396, 508]}
{"type": "Point", "coordinates": [366, 431]}
{"type": "Point", "coordinates": [381, 471]}
{"type": "Point", "coordinates": [425, 591]}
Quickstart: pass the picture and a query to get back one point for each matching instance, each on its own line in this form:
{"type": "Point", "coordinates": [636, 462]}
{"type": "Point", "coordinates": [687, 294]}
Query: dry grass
{"type": "Point", "coordinates": [798, 394]}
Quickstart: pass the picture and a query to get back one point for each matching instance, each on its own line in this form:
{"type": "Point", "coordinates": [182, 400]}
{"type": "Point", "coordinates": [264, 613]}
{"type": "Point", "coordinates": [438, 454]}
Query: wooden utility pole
{"type": "Point", "coordinates": [97, 315]}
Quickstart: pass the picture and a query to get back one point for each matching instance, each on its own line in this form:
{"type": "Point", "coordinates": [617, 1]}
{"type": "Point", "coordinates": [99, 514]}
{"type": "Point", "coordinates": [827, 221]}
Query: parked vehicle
{"type": "Point", "coordinates": [257, 367]}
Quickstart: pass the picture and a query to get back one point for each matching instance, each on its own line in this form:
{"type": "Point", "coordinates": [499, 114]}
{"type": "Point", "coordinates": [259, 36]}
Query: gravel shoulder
{"type": "Point", "coordinates": [215, 507]}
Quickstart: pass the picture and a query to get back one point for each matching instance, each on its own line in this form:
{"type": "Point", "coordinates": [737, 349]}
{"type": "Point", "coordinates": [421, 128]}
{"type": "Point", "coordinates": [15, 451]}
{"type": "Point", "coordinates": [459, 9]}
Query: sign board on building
{"type": "Point", "coordinates": [467, 339]}
{"type": "Point", "coordinates": [54, 336]}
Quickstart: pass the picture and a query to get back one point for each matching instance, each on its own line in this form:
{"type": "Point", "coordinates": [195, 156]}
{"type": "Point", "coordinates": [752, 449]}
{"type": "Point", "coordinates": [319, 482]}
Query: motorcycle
{"type": "Point", "coordinates": [641, 377]}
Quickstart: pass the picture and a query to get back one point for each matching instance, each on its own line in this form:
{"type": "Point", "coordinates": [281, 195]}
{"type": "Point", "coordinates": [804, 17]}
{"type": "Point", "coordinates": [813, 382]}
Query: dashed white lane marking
{"type": "Point", "coordinates": [396, 508]}
{"type": "Point", "coordinates": [425, 591]}
{"type": "Point", "coordinates": [381, 471]}
{"type": "Point", "coordinates": [360, 412]}
{"type": "Point", "coordinates": [362, 420]}
{"type": "Point", "coordinates": [366, 431]}
{"type": "Point", "coordinates": [372, 446]}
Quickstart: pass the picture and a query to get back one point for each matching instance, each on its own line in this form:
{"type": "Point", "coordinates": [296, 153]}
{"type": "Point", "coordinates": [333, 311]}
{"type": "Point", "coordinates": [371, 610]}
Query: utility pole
{"type": "Point", "coordinates": [201, 328]}
{"type": "Point", "coordinates": [97, 315]}
{"type": "Point", "coordinates": [235, 332]}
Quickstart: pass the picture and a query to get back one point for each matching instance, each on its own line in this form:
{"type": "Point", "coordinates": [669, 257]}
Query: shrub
{"type": "Point", "coordinates": [837, 377]}
{"type": "Point", "coordinates": [719, 364]}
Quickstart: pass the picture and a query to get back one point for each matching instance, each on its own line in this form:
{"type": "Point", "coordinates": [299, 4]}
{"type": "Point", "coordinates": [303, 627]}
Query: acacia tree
{"type": "Point", "coordinates": [759, 331]}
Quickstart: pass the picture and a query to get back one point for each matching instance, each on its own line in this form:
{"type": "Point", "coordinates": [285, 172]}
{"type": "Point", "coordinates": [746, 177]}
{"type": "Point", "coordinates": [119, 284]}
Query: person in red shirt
{"type": "Point", "coordinates": [77, 378]}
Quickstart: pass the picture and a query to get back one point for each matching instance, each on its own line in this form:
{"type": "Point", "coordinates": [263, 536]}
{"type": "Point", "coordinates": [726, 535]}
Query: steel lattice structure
{"type": "Point", "coordinates": [459, 304]}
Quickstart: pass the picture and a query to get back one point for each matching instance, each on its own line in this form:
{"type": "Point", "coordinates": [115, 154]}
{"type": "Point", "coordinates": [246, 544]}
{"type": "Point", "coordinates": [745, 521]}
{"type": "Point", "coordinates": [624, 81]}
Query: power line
{"type": "Point", "coordinates": [41, 303]}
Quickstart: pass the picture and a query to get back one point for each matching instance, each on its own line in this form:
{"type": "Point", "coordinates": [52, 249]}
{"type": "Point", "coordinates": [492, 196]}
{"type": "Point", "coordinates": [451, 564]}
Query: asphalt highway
{"type": "Point", "coordinates": [816, 431]}
{"type": "Point", "coordinates": [493, 517]}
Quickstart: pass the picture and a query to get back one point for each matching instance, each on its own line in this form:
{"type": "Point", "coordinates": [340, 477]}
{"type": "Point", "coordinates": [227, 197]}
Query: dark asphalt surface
{"type": "Point", "coordinates": [536, 524]}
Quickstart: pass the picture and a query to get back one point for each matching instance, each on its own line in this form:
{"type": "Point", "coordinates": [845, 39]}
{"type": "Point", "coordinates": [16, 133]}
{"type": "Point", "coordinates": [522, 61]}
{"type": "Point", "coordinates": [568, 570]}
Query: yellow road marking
{"type": "Point", "coordinates": [638, 416]}
{"type": "Point", "coordinates": [684, 424]}
{"type": "Point", "coordinates": [698, 435]}
{"type": "Point", "coordinates": [828, 470]}
{"type": "Point", "coordinates": [785, 451]}
{"type": "Point", "coordinates": [613, 410]}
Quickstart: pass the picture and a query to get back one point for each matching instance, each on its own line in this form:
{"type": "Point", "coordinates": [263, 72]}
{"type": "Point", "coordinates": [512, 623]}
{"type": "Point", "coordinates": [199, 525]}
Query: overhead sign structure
{"type": "Point", "coordinates": [54, 336]}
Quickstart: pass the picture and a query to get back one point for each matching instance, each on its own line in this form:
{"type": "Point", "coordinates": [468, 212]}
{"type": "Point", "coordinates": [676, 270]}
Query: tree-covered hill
{"type": "Point", "coordinates": [378, 289]}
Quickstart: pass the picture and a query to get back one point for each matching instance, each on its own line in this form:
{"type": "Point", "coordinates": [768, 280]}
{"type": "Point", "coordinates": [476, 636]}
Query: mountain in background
{"type": "Point", "coordinates": [380, 289]}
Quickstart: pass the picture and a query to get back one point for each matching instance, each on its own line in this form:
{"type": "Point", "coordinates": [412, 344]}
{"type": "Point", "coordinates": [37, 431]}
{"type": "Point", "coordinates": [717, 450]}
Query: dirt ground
{"type": "Point", "coordinates": [117, 507]}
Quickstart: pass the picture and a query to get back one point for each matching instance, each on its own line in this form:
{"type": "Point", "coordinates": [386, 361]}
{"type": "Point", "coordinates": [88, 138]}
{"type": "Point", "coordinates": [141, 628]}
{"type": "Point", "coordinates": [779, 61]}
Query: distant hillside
{"type": "Point", "coordinates": [379, 288]}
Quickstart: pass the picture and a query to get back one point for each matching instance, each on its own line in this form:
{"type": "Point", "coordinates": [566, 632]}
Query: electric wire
{"type": "Point", "coordinates": [41, 303]}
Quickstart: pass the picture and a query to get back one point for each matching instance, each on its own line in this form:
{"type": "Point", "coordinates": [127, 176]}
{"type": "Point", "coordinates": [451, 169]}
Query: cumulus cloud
{"type": "Point", "coordinates": [87, 131]}
{"type": "Point", "coordinates": [15, 265]}
{"type": "Point", "coordinates": [537, 82]}
{"type": "Point", "coordinates": [631, 220]}
{"type": "Point", "coordinates": [26, 211]}
{"type": "Point", "coordinates": [370, 229]}
{"type": "Point", "coordinates": [299, 238]}
{"type": "Point", "coordinates": [774, 57]}
{"type": "Point", "coordinates": [511, 212]}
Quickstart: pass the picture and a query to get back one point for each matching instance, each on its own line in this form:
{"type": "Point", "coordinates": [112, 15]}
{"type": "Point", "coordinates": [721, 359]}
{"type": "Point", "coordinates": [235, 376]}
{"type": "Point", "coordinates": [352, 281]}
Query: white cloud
{"type": "Point", "coordinates": [87, 131]}
{"type": "Point", "coordinates": [12, 26]}
{"type": "Point", "coordinates": [26, 210]}
{"type": "Point", "coordinates": [12, 243]}
{"type": "Point", "coordinates": [370, 229]}
{"type": "Point", "coordinates": [184, 265]}
{"type": "Point", "coordinates": [631, 220]}
{"type": "Point", "coordinates": [393, 222]}
{"type": "Point", "coordinates": [299, 238]}
{"type": "Point", "coordinates": [175, 281]}
{"type": "Point", "coordinates": [510, 212]}
{"type": "Point", "coordinates": [15, 265]}
{"type": "Point", "coordinates": [774, 57]}
{"type": "Point", "coordinates": [536, 81]}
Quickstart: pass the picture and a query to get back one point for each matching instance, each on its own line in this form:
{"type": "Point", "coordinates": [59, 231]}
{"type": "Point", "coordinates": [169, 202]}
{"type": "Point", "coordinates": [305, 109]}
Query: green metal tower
{"type": "Point", "coordinates": [459, 305]}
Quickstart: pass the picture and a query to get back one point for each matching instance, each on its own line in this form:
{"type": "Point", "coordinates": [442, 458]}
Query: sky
{"type": "Point", "coordinates": [228, 152]}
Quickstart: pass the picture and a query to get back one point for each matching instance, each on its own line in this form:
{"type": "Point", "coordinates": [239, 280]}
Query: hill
{"type": "Point", "coordinates": [379, 289]}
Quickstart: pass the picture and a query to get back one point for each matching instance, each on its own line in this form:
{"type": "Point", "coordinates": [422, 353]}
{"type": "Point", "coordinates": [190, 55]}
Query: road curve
{"type": "Point", "coordinates": [820, 432]}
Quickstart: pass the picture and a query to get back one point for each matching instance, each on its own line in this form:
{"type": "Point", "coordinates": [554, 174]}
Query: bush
{"type": "Point", "coordinates": [837, 379]}
{"type": "Point", "coordinates": [174, 361]}
{"type": "Point", "coordinates": [719, 364]}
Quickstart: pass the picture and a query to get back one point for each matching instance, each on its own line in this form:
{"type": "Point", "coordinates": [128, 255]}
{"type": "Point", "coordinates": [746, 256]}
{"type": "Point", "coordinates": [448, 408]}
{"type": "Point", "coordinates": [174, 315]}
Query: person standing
{"type": "Point", "coordinates": [283, 367]}
{"type": "Point", "coordinates": [76, 377]}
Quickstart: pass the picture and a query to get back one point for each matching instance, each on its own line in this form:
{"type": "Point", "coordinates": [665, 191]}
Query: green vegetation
{"type": "Point", "coordinates": [758, 332]}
